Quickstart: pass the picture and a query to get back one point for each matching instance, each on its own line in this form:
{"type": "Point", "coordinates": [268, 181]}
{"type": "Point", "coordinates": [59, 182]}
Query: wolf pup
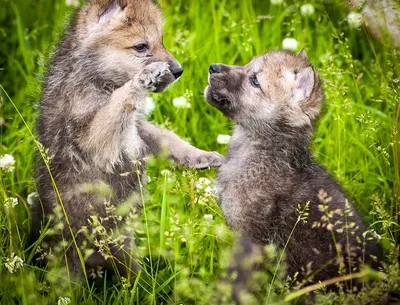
{"type": "Point", "coordinates": [93, 128]}
{"type": "Point", "coordinates": [269, 170]}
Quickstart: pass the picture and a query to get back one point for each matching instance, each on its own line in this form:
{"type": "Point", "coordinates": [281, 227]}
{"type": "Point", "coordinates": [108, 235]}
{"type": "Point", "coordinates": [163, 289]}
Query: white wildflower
{"type": "Point", "coordinates": [150, 105]}
{"type": "Point", "coordinates": [211, 189]}
{"type": "Point", "coordinates": [354, 20]}
{"type": "Point", "coordinates": [372, 234]}
{"type": "Point", "coordinates": [203, 182]}
{"type": "Point", "coordinates": [276, 2]}
{"type": "Point", "coordinates": [72, 2]}
{"type": "Point", "coordinates": [64, 301]}
{"type": "Point", "coordinates": [96, 272]}
{"type": "Point", "coordinates": [223, 139]}
{"type": "Point", "coordinates": [181, 102]}
{"type": "Point", "coordinates": [32, 198]}
{"type": "Point", "coordinates": [208, 217]}
{"type": "Point", "coordinates": [307, 10]}
{"type": "Point", "coordinates": [14, 263]}
{"type": "Point", "coordinates": [166, 172]}
{"type": "Point", "coordinates": [221, 232]}
{"type": "Point", "coordinates": [10, 202]}
{"type": "Point", "coordinates": [7, 163]}
{"type": "Point", "coordinates": [290, 44]}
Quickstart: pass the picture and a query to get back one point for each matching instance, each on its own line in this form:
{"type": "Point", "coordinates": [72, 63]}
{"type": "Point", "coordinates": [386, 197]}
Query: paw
{"type": "Point", "coordinates": [208, 159]}
{"type": "Point", "coordinates": [153, 75]}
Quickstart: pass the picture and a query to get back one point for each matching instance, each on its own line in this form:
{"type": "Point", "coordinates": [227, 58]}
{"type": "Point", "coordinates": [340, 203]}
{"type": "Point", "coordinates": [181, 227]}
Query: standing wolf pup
{"type": "Point", "coordinates": [269, 169]}
{"type": "Point", "coordinates": [92, 122]}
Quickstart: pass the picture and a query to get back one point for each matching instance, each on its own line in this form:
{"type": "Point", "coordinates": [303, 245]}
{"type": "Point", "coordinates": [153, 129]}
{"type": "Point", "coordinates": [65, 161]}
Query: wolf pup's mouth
{"type": "Point", "coordinates": [215, 98]}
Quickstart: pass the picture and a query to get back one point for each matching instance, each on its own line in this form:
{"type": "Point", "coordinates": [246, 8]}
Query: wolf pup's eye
{"type": "Point", "coordinates": [141, 47]}
{"type": "Point", "coordinates": [254, 81]}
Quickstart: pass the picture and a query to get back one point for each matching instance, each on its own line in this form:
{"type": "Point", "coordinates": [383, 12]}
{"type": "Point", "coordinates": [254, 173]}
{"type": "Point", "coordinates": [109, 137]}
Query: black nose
{"type": "Point", "coordinates": [177, 71]}
{"type": "Point", "coordinates": [215, 68]}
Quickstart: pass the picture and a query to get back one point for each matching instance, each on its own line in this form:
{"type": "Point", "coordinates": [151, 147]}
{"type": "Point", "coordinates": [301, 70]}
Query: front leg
{"type": "Point", "coordinates": [159, 140]}
{"type": "Point", "coordinates": [104, 137]}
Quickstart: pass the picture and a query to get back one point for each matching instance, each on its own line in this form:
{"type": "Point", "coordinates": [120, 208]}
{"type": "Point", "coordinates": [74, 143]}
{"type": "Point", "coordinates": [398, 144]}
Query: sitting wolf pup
{"type": "Point", "coordinates": [269, 170]}
{"type": "Point", "coordinates": [93, 128]}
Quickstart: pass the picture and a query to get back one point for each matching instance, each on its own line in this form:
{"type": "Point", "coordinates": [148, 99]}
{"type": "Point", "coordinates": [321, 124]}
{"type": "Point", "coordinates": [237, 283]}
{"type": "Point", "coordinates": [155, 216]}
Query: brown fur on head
{"type": "Point", "coordinates": [277, 88]}
{"type": "Point", "coordinates": [121, 37]}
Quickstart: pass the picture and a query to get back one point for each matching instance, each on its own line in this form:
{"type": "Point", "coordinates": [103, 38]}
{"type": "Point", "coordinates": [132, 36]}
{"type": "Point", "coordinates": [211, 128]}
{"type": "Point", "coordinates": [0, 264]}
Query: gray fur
{"type": "Point", "coordinates": [269, 169]}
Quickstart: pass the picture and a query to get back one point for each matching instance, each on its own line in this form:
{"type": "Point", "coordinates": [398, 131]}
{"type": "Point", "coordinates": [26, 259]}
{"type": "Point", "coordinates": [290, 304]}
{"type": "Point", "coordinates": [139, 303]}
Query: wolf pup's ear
{"type": "Point", "coordinates": [111, 11]}
{"type": "Point", "coordinates": [303, 84]}
{"type": "Point", "coordinates": [303, 54]}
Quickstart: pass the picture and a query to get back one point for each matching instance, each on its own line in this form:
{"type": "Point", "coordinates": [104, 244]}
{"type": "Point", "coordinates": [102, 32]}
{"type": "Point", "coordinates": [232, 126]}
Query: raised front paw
{"type": "Point", "coordinates": [125, 97]}
{"type": "Point", "coordinates": [155, 76]}
{"type": "Point", "coordinates": [207, 159]}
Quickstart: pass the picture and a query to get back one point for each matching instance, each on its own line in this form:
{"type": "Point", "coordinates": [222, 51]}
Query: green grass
{"type": "Point", "coordinates": [184, 254]}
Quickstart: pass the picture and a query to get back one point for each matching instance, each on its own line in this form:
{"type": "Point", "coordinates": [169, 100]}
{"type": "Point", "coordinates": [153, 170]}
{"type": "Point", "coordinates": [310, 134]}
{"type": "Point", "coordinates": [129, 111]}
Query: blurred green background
{"type": "Point", "coordinates": [356, 137]}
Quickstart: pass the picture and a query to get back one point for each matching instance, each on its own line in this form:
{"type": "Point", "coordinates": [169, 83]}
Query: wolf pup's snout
{"type": "Point", "coordinates": [221, 68]}
{"type": "Point", "coordinates": [177, 71]}
{"type": "Point", "coordinates": [215, 68]}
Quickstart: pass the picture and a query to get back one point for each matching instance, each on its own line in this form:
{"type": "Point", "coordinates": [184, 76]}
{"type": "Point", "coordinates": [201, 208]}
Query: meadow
{"type": "Point", "coordinates": [183, 242]}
